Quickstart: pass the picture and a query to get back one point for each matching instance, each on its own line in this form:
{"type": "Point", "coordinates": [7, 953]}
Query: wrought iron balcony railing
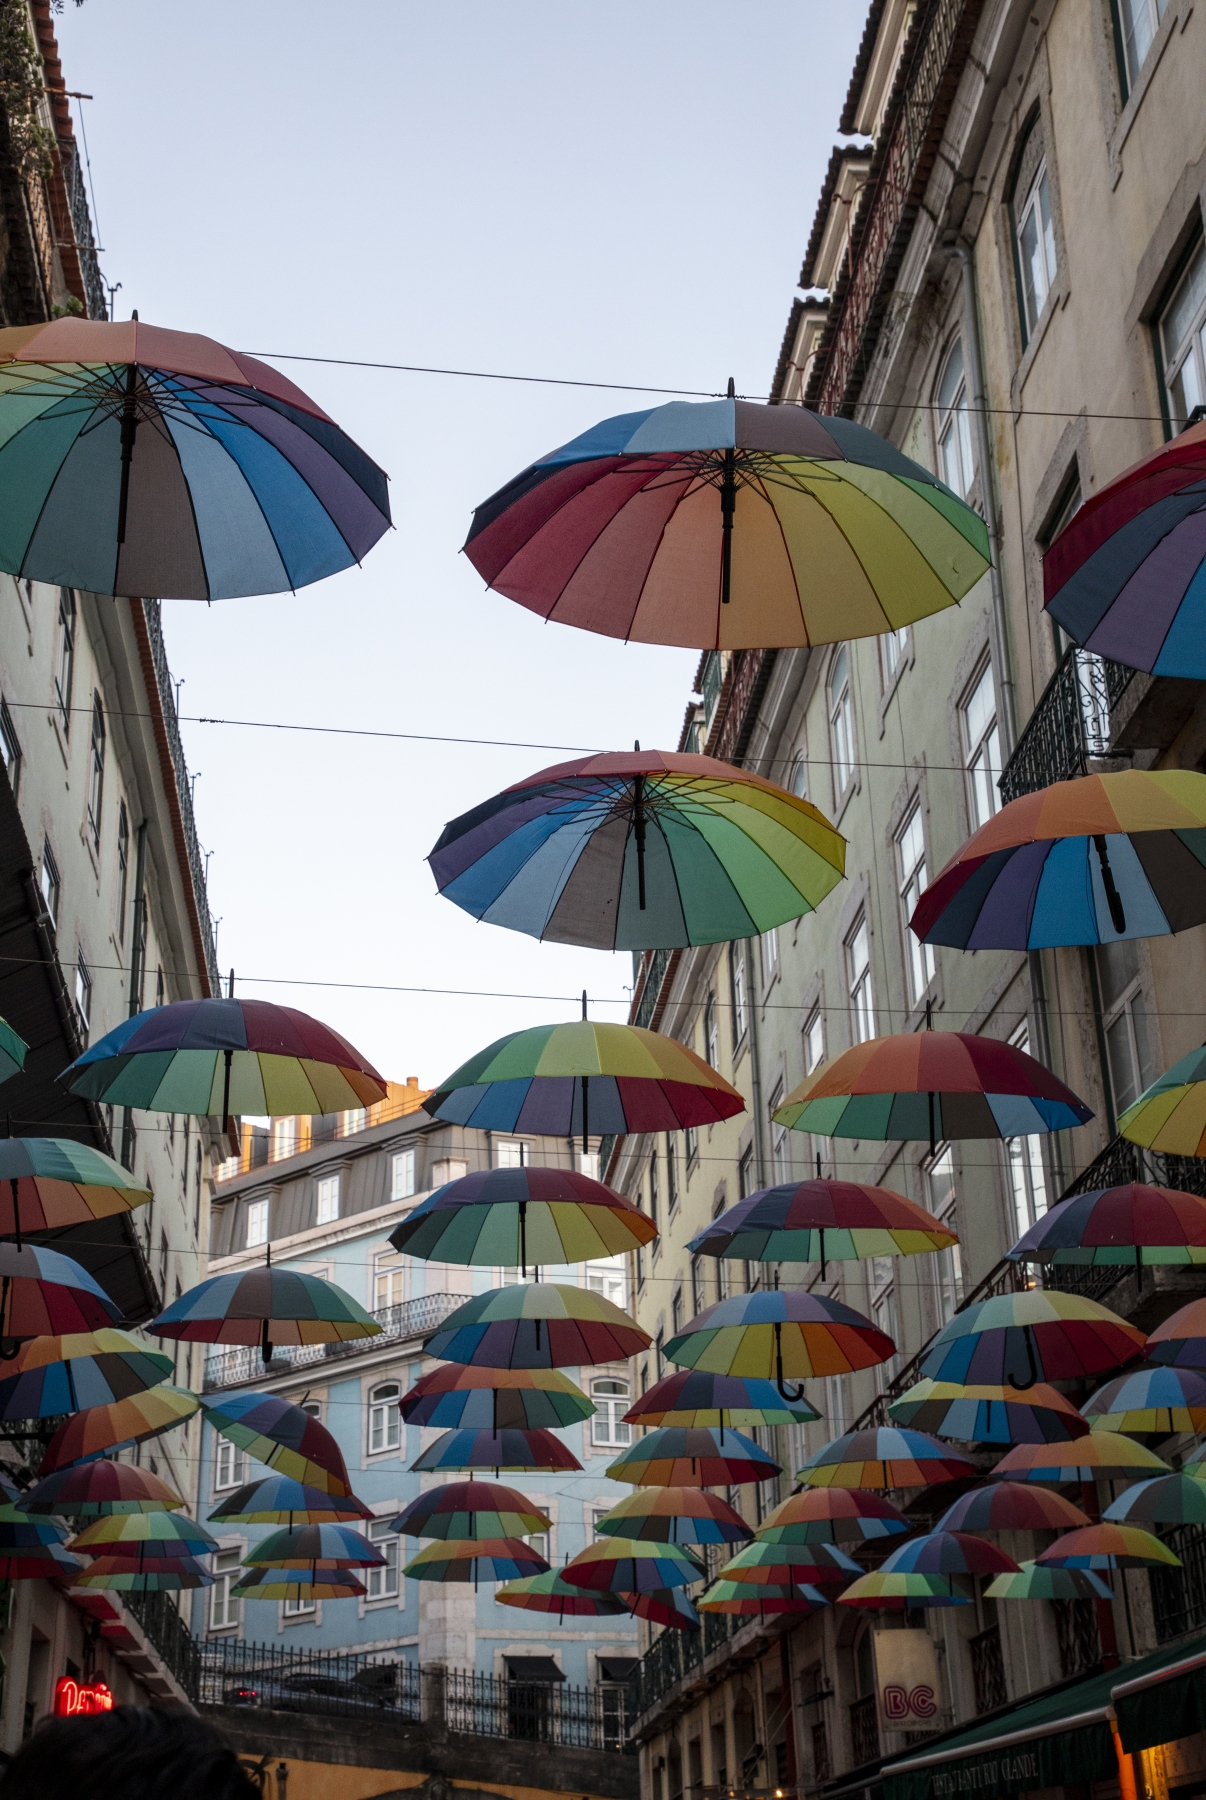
{"type": "Point", "coordinates": [1069, 726]}
{"type": "Point", "coordinates": [673, 1655]}
{"type": "Point", "coordinates": [411, 1319]}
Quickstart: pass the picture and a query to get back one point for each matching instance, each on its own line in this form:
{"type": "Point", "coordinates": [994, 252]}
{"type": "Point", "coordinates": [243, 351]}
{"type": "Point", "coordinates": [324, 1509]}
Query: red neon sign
{"type": "Point", "coordinates": [73, 1698]}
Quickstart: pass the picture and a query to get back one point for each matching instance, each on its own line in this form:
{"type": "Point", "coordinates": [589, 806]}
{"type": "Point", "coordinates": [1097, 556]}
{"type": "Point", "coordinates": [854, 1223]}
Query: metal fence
{"type": "Point", "coordinates": [409, 1319]}
{"type": "Point", "coordinates": [1070, 724]}
{"type": "Point", "coordinates": [81, 228]}
{"type": "Point", "coordinates": [674, 1654]}
{"type": "Point", "coordinates": [546, 1712]}
{"type": "Point", "coordinates": [160, 1618]}
{"type": "Point", "coordinates": [1179, 1595]}
{"type": "Point", "coordinates": [329, 1683]}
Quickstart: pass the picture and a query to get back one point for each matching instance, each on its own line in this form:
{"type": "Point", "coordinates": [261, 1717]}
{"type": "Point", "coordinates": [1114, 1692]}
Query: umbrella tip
{"type": "Point", "coordinates": [584, 1003]}
{"type": "Point", "coordinates": [636, 743]}
{"type": "Point", "coordinates": [230, 987]}
{"type": "Point", "coordinates": [732, 391]}
{"type": "Point", "coordinates": [134, 316]}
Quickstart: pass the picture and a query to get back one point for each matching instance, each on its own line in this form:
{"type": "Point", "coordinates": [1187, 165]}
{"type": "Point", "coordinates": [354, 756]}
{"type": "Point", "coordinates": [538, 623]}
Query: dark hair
{"type": "Point", "coordinates": [132, 1753]}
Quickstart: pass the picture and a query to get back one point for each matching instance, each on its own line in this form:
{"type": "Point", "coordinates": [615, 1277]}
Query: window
{"type": "Point", "coordinates": [797, 780]}
{"type": "Point", "coordinates": [1181, 338]}
{"type": "Point", "coordinates": [746, 1179]}
{"type": "Point", "coordinates": [737, 977]}
{"type": "Point", "coordinates": [284, 1138]}
{"type": "Point", "coordinates": [299, 1609]}
{"type": "Point", "coordinates": [160, 986]}
{"type": "Point", "coordinates": [389, 1280]}
{"type": "Point", "coordinates": [780, 1137]}
{"type": "Point", "coordinates": [659, 1352]}
{"type": "Point", "coordinates": [539, 1542]}
{"type": "Point", "coordinates": [257, 1223]}
{"type": "Point", "coordinates": [327, 1194]}
{"type": "Point", "coordinates": [382, 1581]}
{"type": "Point", "coordinates": [83, 993]}
{"type": "Point", "coordinates": [588, 1163]}
{"type": "Point", "coordinates": [96, 770]}
{"type": "Point", "coordinates": [509, 1153]}
{"type": "Point", "coordinates": [858, 983]}
{"type": "Point", "coordinates": [653, 1193]}
{"type": "Point", "coordinates": [230, 1465]}
{"type": "Point", "coordinates": [982, 745]}
{"type": "Point", "coordinates": [676, 1311]}
{"type": "Point", "coordinates": [698, 1285]}
{"type": "Point", "coordinates": [814, 1040]}
{"type": "Point", "coordinates": [597, 1516]}
{"type": "Point", "coordinates": [223, 1605]}
{"type": "Point", "coordinates": [769, 942]}
{"type": "Point", "coordinates": [911, 879]}
{"type": "Point", "coordinates": [51, 885]}
{"type": "Point", "coordinates": [883, 1312]}
{"type": "Point", "coordinates": [1138, 22]}
{"type": "Point", "coordinates": [64, 667]}
{"type": "Point", "coordinates": [10, 748]}
{"type": "Point", "coordinates": [841, 722]}
{"type": "Point", "coordinates": [837, 1405]}
{"type": "Point", "coordinates": [691, 1144]}
{"type": "Point", "coordinates": [1126, 1021]}
{"type": "Point", "coordinates": [402, 1175]}
{"type": "Point", "coordinates": [956, 462]}
{"type": "Point", "coordinates": [711, 1033]}
{"type": "Point", "coordinates": [943, 1203]}
{"type": "Point", "coordinates": [671, 1172]}
{"type": "Point", "coordinates": [123, 869]}
{"type": "Point", "coordinates": [350, 1122]}
{"type": "Point", "coordinates": [893, 648]}
{"type": "Point", "coordinates": [313, 1408]}
{"type": "Point", "coordinates": [385, 1419]}
{"type": "Point", "coordinates": [608, 1278]}
{"type": "Point", "coordinates": [1027, 1182]}
{"type": "Point", "coordinates": [611, 1397]}
{"type": "Point", "coordinates": [1035, 246]}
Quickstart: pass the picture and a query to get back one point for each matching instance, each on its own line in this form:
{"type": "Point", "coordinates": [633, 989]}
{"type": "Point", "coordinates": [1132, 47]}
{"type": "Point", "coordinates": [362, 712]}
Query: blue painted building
{"type": "Point", "coordinates": [326, 1193]}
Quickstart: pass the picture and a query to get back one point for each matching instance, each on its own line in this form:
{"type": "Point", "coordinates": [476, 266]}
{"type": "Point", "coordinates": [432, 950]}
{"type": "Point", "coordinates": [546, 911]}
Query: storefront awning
{"type": "Point", "coordinates": [1156, 1708]}
{"type": "Point", "coordinates": [532, 1668]}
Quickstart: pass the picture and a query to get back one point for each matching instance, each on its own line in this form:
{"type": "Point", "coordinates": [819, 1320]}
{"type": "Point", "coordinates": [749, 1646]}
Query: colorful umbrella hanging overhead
{"type": "Point", "coordinates": [55, 1375]}
{"type": "Point", "coordinates": [885, 1456]}
{"type": "Point", "coordinates": [1035, 1582]}
{"type": "Point", "coordinates": [522, 1218]}
{"type": "Point", "coordinates": [677, 1515]}
{"type": "Point", "coordinates": [265, 1306]}
{"type": "Point", "coordinates": [761, 1599]}
{"type": "Point", "coordinates": [1101, 1456]}
{"type": "Point", "coordinates": [495, 1399]}
{"type": "Point", "coordinates": [946, 1552]}
{"type": "Point", "coordinates": [138, 460]}
{"type": "Point", "coordinates": [1008, 1506]}
{"type": "Point", "coordinates": [47, 1183]}
{"type": "Point", "coordinates": [774, 1334]}
{"type": "Point", "coordinates": [1108, 1546]}
{"type": "Point", "coordinates": [1133, 1223]}
{"type": "Point", "coordinates": [143, 1534]}
{"type": "Point", "coordinates": [45, 1294]}
{"type": "Point", "coordinates": [284, 1437]}
{"type": "Point", "coordinates": [617, 1565]}
{"type": "Point", "coordinates": [823, 1564]}
{"type": "Point", "coordinates": [497, 1450]}
{"type": "Point", "coordinates": [1180, 1341]}
{"type": "Point", "coordinates": [315, 1547]}
{"type": "Point", "coordinates": [1016, 1340]}
{"type": "Point", "coordinates": [299, 1584]}
{"type": "Point", "coordinates": [1155, 1402]}
{"type": "Point", "coordinates": [538, 1326]}
{"type": "Point", "coordinates": [989, 1415]}
{"type": "Point", "coordinates": [665, 1606]}
{"type": "Point", "coordinates": [475, 1559]}
{"type": "Point", "coordinates": [886, 1590]}
{"type": "Point", "coordinates": [830, 1515]}
{"type": "Point", "coordinates": [548, 1593]}
{"type": "Point", "coordinates": [95, 1489]}
{"type": "Point", "coordinates": [464, 1509]}
{"type": "Point", "coordinates": [729, 525]}
{"type": "Point", "coordinates": [822, 1221]}
{"type": "Point", "coordinates": [279, 1500]}
{"type": "Point", "coordinates": [171, 1575]}
{"type": "Point", "coordinates": [1170, 1115]}
{"type": "Point", "coordinates": [640, 851]}
{"type": "Point", "coordinates": [697, 1397]}
{"type": "Point", "coordinates": [674, 1456]}
{"type": "Point", "coordinates": [105, 1429]}
{"type": "Point", "coordinates": [1165, 1500]}
{"type": "Point", "coordinates": [13, 1051]}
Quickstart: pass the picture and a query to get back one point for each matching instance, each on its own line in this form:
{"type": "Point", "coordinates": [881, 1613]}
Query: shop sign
{"type": "Point", "coordinates": [906, 1680]}
{"type": "Point", "coordinates": [72, 1697]}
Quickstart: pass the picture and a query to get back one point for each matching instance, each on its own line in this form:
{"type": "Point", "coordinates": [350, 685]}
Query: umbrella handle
{"type": "Point", "coordinates": [9, 1346]}
{"type": "Point", "coordinates": [1013, 1380]}
{"type": "Point", "coordinates": [638, 820]}
{"type": "Point", "coordinates": [1113, 897]}
{"type": "Point", "coordinates": [728, 506]}
{"type": "Point", "coordinates": [265, 1344]}
{"type": "Point", "coordinates": [785, 1391]}
{"type": "Point", "coordinates": [523, 1237]}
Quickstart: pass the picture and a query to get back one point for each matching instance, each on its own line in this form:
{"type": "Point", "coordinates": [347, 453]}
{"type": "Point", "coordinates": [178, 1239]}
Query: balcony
{"type": "Point", "coordinates": [672, 1656]}
{"type": "Point", "coordinates": [1070, 726]}
{"type": "Point", "coordinates": [1179, 1595]}
{"type": "Point", "coordinates": [988, 1670]}
{"type": "Point", "coordinates": [864, 1731]}
{"type": "Point", "coordinates": [412, 1319]}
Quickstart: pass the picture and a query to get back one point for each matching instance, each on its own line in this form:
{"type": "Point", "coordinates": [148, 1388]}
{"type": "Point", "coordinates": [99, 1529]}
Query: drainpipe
{"type": "Point", "coordinates": [753, 971]}
{"type": "Point", "coordinates": [138, 929]}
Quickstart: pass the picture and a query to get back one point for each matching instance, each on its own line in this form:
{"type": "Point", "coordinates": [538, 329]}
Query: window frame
{"type": "Point", "coordinates": [737, 983]}
{"type": "Point", "coordinates": [64, 666]}
{"type": "Point", "coordinates": [1128, 77]}
{"type": "Point", "coordinates": [1037, 198]}
{"type": "Point", "coordinates": [607, 1428]}
{"type": "Point", "coordinates": [982, 760]}
{"type": "Point", "coordinates": [50, 883]}
{"type": "Point", "coordinates": [226, 1452]}
{"type": "Point", "coordinates": [860, 983]}
{"type": "Point", "coordinates": [83, 992]}
{"type": "Point", "coordinates": [220, 1590]}
{"type": "Point", "coordinates": [942, 1199]}
{"type": "Point", "coordinates": [711, 1031]}
{"type": "Point", "coordinates": [839, 712]}
{"type": "Point", "coordinates": [322, 1195]}
{"type": "Point", "coordinates": [814, 1023]}
{"type": "Point", "coordinates": [382, 1408]}
{"type": "Point", "coordinates": [96, 770]}
{"type": "Point", "coordinates": [257, 1209]}
{"type": "Point", "coordinates": [382, 1537]}
{"type": "Point", "coordinates": [1191, 344]}
{"type": "Point", "coordinates": [10, 749]}
{"type": "Point", "coordinates": [388, 1264]}
{"type": "Point", "coordinates": [403, 1159]}
{"type": "Point", "coordinates": [911, 881]}
{"type": "Point", "coordinates": [952, 428]}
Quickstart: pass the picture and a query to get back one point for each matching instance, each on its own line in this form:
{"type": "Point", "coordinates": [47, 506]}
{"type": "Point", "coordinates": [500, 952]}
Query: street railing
{"type": "Point", "coordinates": [545, 1712]}
{"type": "Point", "coordinates": [409, 1319]}
{"type": "Point", "coordinates": [331, 1683]}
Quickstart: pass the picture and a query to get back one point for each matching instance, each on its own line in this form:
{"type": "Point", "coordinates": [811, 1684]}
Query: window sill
{"type": "Point", "coordinates": [1056, 299]}
{"type": "Point", "coordinates": [1177, 18]}
{"type": "Point", "coordinates": [889, 693]}
{"type": "Point", "coordinates": [375, 1602]}
{"type": "Point", "coordinates": [213, 1631]}
{"type": "Point", "coordinates": [852, 787]}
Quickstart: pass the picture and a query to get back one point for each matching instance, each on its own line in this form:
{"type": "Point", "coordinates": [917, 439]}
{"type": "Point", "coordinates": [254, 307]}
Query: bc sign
{"type": "Point", "coordinates": [906, 1680]}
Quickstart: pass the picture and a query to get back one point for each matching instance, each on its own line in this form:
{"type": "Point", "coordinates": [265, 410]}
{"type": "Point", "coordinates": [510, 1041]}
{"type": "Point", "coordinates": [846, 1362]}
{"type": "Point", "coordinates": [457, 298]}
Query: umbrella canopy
{"type": "Point", "coordinates": [87, 1435]}
{"type": "Point", "coordinates": [21, 1530]}
{"type": "Point", "coordinates": [540, 1325]}
{"type": "Point", "coordinates": [1088, 861]}
{"type": "Point", "coordinates": [1170, 1115]}
{"type": "Point", "coordinates": [49, 1562]}
{"type": "Point", "coordinates": [1122, 576]}
{"type": "Point", "coordinates": [832, 1516]}
{"type": "Point", "coordinates": [692, 1456]}
{"type": "Point", "coordinates": [548, 1593]}
{"type": "Point", "coordinates": [932, 1085]}
{"type": "Point", "coordinates": [884, 1456]}
{"type": "Point", "coordinates": [469, 1509]}
{"type": "Point", "coordinates": [665, 1606]}
{"type": "Point", "coordinates": [299, 1584]}
{"type": "Point", "coordinates": [1166, 1500]}
{"type": "Point", "coordinates": [640, 851]}
{"type": "Point", "coordinates": [1156, 1401]}
{"type": "Point", "coordinates": [888, 1591]}
{"type": "Point", "coordinates": [283, 1436]}
{"type": "Point", "coordinates": [728, 525]}
{"type": "Point", "coordinates": [54, 1375]}
{"type": "Point", "coordinates": [134, 1535]}
{"type": "Point", "coordinates": [761, 1599]}
{"type": "Point", "coordinates": [160, 1575]}
{"type": "Point", "coordinates": [1108, 1546]}
{"type": "Point", "coordinates": [571, 1080]}
{"type": "Point", "coordinates": [823, 1564]}
{"type": "Point", "coordinates": [989, 1415]}
{"type": "Point", "coordinates": [822, 1221]}
{"type": "Point", "coordinates": [12, 1052]}
{"type": "Point", "coordinates": [1180, 1341]}
{"type": "Point", "coordinates": [616, 1565]}
{"type": "Point", "coordinates": [495, 1399]}
{"type": "Point", "coordinates": [48, 1182]}
{"type": "Point", "coordinates": [265, 1306]}
{"type": "Point", "coordinates": [776, 1333]}
{"type": "Point", "coordinates": [44, 1294]}
{"type": "Point", "coordinates": [1101, 1456]}
{"type": "Point", "coordinates": [697, 1397]}
{"type": "Point", "coordinates": [507, 1449]}
{"type": "Point", "coordinates": [945, 1552]}
{"type": "Point", "coordinates": [520, 1218]}
{"type": "Point", "coordinates": [1035, 1582]}
{"type": "Point", "coordinates": [1041, 1335]}
{"type": "Point", "coordinates": [319, 1546]}
{"type": "Point", "coordinates": [1009, 1506]}
{"type": "Point", "coordinates": [139, 460]}
{"type": "Point", "coordinates": [676, 1515]}
{"type": "Point", "coordinates": [474, 1559]}
{"type": "Point", "coordinates": [222, 1056]}
{"type": "Point", "coordinates": [1133, 1224]}
{"type": "Point", "coordinates": [279, 1500]}
{"type": "Point", "coordinates": [96, 1489]}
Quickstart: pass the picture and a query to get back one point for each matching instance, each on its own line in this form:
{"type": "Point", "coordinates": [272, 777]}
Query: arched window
{"type": "Point", "coordinates": [957, 463]}
{"type": "Point", "coordinates": [611, 1397]}
{"type": "Point", "coordinates": [1034, 230]}
{"type": "Point", "coordinates": [385, 1420]}
{"type": "Point", "coordinates": [841, 721]}
{"type": "Point", "coordinates": [797, 781]}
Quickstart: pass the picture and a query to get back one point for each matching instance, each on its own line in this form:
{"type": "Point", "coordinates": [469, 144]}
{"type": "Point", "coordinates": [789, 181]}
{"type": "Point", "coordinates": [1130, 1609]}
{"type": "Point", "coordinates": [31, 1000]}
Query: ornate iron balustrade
{"type": "Point", "coordinates": [160, 1619]}
{"type": "Point", "coordinates": [1069, 725]}
{"type": "Point", "coordinates": [1077, 1636]}
{"type": "Point", "coordinates": [409, 1319]}
{"type": "Point", "coordinates": [584, 1718]}
{"type": "Point", "coordinates": [673, 1655]}
{"type": "Point", "coordinates": [988, 1670]}
{"type": "Point", "coordinates": [1179, 1595]}
{"type": "Point", "coordinates": [1120, 1162]}
{"type": "Point", "coordinates": [81, 229]}
{"type": "Point", "coordinates": [331, 1683]}
{"type": "Point", "coordinates": [655, 974]}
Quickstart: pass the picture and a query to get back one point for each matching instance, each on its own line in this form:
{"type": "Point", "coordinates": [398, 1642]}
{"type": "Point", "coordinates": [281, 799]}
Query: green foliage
{"type": "Point", "coordinates": [22, 81]}
{"type": "Point", "coordinates": [70, 307]}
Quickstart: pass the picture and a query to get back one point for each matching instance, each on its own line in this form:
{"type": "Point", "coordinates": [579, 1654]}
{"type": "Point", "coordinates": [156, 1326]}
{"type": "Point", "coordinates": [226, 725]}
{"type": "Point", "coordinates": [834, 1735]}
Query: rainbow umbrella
{"type": "Point", "coordinates": [543, 1325]}
{"type": "Point", "coordinates": [135, 1535]}
{"type": "Point", "coordinates": [1170, 1115]}
{"type": "Point", "coordinates": [665, 1606]}
{"type": "Point", "coordinates": [283, 1437]}
{"type": "Point", "coordinates": [160, 1575]}
{"type": "Point", "coordinates": [54, 1375]}
{"type": "Point", "coordinates": [762, 1599]}
{"type": "Point", "coordinates": [1180, 1341]}
{"type": "Point", "coordinates": [823, 1564]}
{"type": "Point", "coordinates": [495, 1399]}
{"type": "Point", "coordinates": [675, 1515]}
{"type": "Point", "coordinates": [467, 1509]}
{"type": "Point", "coordinates": [884, 1456]}
{"type": "Point", "coordinates": [1101, 1456]}
{"type": "Point", "coordinates": [102, 1429]}
{"type": "Point", "coordinates": [885, 1590]}
{"type": "Point", "coordinates": [1195, 1464]}
{"type": "Point", "coordinates": [497, 1450]}
{"type": "Point", "coordinates": [299, 1584]}
{"type": "Point", "coordinates": [265, 1306]}
{"type": "Point", "coordinates": [279, 1500]}
{"type": "Point", "coordinates": [1088, 861]}
{"type": "Point", "coordinates": [550, 1594]}
{"type": "Point", "coordinates": [489, 1559]}
{"type": "Point", "coordinates": [776, 1333]}
{"type": "Point", "coordinates": [48, 1182]}
{"type": "Point", "coordinates": [1034, 1583]}
{"type": "Point", "coordinates": [615, 1565]}
{"type": "Point", "coordinates": [45, 1294]}
{"type": "Point", "coordinates": [948, 1553]}
{"type": "Point", "coordinates": [13, 1051]}
{"type": "Point", "coordinates": [931, 1085]}
{"type": "Point", "coordinates": [729, 525]}
{"type": "Point", "coordinates": [697, 1397]}
{"type": "Point", "coordinates": [640, 851]}
{"type": "Point", "coordinates": [1165, 1500]}
{"type": "Point", "coordinates": [1156, 1401]}
{"type": "Point", "coordinates": [1108, 1546]}
{"type": "Point", "coordinates": [1010, 1506]}
{"type": "Point", "coordinates": [517, 1218]}
{"type": "Point", "coordinates": [1122, 577]}
{"type": "Point", "coordinates": [1131, 1225]}
{"type": "Point", "coordinates": [21, 1530]}
{"type": "Point", "coordinates": [989, 1415]}
{"type": "Point", "coordinates": [831, 1515]}
{"type": "Point", "coordinates": [822, 1221]}
{"type": "Point", "coordinates": [570, 1080]}
{"type": "Point", "coordinates": [47, 1562]}
{"type": "Point", "coordinates": [93, 1490]}
{"type": "Point", "coordinates": [315, 1546]}
{"type": "Point", "coordinates": [1041, 1335]}
{"type": "Point", "coordinates": [692, 1456]}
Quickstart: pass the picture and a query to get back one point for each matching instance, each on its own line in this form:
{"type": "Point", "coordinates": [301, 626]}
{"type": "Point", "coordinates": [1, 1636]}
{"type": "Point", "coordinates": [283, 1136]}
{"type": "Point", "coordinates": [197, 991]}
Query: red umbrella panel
{"type": "Point", "coordinates": [1181, 1339]}
{"type": "Point", "coordinates": [665, 1606]}
{"type": "Point", "coordinates": [46, 1294]}
{"type": "Point", "coordinates": [1134, 1225]}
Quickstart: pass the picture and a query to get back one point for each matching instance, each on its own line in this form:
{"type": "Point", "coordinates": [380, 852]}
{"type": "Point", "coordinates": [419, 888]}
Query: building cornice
{"type": "Point", "coordinates": [320, 1237]}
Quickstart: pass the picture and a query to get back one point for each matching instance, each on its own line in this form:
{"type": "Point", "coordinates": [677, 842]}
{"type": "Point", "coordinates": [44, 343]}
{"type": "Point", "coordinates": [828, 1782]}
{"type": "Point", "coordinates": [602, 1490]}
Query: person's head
{"type": "Point", "coordinates": [132, 1753]}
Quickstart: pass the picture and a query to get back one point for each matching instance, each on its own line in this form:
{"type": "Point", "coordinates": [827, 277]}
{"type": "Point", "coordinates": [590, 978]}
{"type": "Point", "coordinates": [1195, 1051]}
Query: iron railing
{"type": "Point", "coordinates": [547, 1712]}
{"type": "Point", "coordinates": [81, 229]}
{"type": "Point", "coordinates": [864, 1731]}
{"type": "Point", "coordinates": [1179, 1595]}
{"type": "Point", "coordinates": [988, 1670]}
{"type": "Point", "coordinates": [1069, 726]}
{"type": "Point", "coordinates": [1120, 1162]}
{"type": "Point", "coordinates": [409, 1319]}
{"type": "Point", "coordinates": [673, 1655]}
{"type": "Point", "coordinates": [160, 1618]}
{"type": "Point", "coordinates": [335, 1684]}
{"type": "Point", "coordinates": [1077, 1636]}
{"type": "Point", "coordinates": [658, 964]}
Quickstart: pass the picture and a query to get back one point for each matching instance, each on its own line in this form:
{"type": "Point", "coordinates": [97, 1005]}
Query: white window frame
{"type": "Point", "coordinates": [1183, 353]}
{"type": "Point", "coordinates": [83, 991]}
{"type": "Point", "coordinates": [384, 1419]}
{"type": "Point", "coordinates": [224, 1611]}
{"type": "Point", "coordinates": [893, 651]}
{"type": "Point", "coordinates": [981, 746]}
{"type": "Point", "coordinates": [349, 1123]}
{"type": "Point", "coordinates": [884, 1312]}
{"type": "Point", "coordinates": [860, 988]}
{"type": "Point", "coordinates": [608, 1276]}
{"type": "Point", "coordinates": [1121, 1014]}
{"type": "Point", "coordinates": [328, 1197]}
{"type": "Point", "coordinates": [389, 1271]}
{"type": "Point", "coordinates": [797, 780]}
{"type": "Point", "coordinates": [781, 1146]}
{"type": "Point", "coordinates": [711, 1032]}
{"type": "Point", "coordinates": [839, 696]}
{"type": "Point", "coordinates": [956, 456]}
{"type": "Point", "coordinates": [612, 1396]}
{"type": "Point", "coordinates": [911, 880]}
{"type": "Point", "coordinates": [257, 1223]}
{"type": "Point", "coordinates": [286, 1136]}
{"type": "Point", "coordinates": [510, 1153]}
{"type": "Point", "coordinates": [768, 945]}
{"type": "Point", "coordinates": [1138, 23]}
{"type": "Point", "coordinates": [402, 1174]}
{"type": "Point", "coordinates": [230, 1465]}
{"type": "Point", "coordinates": [740, 998]}
{"type": "Point", "coordinates": [51, 883]}
{"type": "Point", "coordinates": [1039, 265]}
{"type": "Point", "coordinates": [673, 1188]}
{"type": "Point", "coordinates": [812, 1040]}
{"type": "Point", "coordinates": [299, 1612]}
{"type": "Point", "coordinates": [1024, 1161]}
{"type": "Point", "coordinates": [383, 1581]}
{"type": "Point", "coordinates": [942, 1200]}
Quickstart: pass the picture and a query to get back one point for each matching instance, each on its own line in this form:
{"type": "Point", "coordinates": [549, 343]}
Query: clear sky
{"type": "Point", "coordinates": [617, 192]}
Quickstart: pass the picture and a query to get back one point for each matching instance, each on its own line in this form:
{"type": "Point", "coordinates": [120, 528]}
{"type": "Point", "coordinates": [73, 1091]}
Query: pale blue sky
{"type": "Point", "coordinates": [618, 192]}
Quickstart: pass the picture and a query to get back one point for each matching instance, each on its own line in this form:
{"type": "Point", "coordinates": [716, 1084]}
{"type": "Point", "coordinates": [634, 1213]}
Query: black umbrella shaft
{"type": "Point", "coordinates": [129, 425]}
{"type": "Point", "coordinates": [638, 821]}
{"type": "Point", "coordinates": [16, 1211]}
{"type": "Point", "coordinates": [1113, 897]}
{"type": "Point", "coordinates": [585, 1112]}
{"type": "Point", "coordinates": [728, 506]}
{"type": "Point", "coordinates": [229, 1055]}
{"type": "Point", "coordinates": [523, 1262]}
